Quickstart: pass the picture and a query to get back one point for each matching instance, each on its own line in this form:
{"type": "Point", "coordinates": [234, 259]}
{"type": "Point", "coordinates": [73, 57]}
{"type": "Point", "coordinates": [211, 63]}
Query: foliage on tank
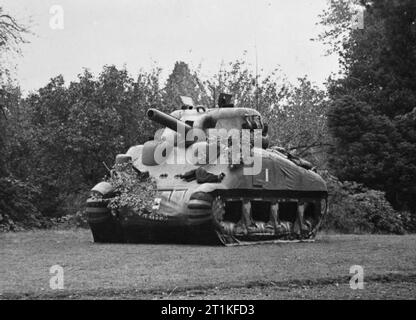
{"type": "Point", "coordinates": [132, 189]}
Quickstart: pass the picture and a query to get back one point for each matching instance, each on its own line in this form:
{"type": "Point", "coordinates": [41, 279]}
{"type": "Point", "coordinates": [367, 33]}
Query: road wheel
{"type": "Point", "coordinates": [323, 212]}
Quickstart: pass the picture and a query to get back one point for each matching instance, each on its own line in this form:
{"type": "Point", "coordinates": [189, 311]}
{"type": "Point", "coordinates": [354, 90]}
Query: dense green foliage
{"type": "Point", "coordinates": [18, 198]}
{"type": "Point", "coordinates": [76, 128]}
{"type": "Point", "coordinates": [18, 205]}
{"type": "Point", "coordinates": [353, 208]}
{"type": "Point", "coordinates": [372, 113]}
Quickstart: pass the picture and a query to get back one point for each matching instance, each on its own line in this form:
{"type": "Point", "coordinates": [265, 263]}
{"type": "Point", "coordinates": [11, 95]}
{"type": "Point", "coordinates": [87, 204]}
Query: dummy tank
{"type": "Point", "coordinates": [216, 181]}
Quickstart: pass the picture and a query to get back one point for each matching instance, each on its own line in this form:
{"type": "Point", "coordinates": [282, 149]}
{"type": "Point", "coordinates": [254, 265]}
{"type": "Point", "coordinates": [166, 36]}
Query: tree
{"type": "Point", "coordinates": [74, 129]}
{"type": "Point", "coordinates": [372, 113]}
{"type": "Point", "coordinates": [336, 23]}
{"type": "Point", "coordinates": [18, 198]}
{"type": "Point", "coordinates": [11, 32]}
{"type": "Point", "coordinates": [300, 122]}
{"type": "Point", "coordinates": [11, 36]}
{"type": "Point", "coordinates": [249, 90]}
{"type": "Point", "coordinates": [181, 82]}
{"type": "Point", "coordinates": [296, 114]}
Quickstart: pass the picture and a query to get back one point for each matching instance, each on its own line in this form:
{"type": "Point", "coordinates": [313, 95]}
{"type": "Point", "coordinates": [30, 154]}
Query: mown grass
{"type": "Point", "coordinates": [143, 270]}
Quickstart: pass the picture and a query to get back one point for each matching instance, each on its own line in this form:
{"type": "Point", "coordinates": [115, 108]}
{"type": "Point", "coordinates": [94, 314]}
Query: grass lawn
{"type": "Point", "coordinates": [297, 270]}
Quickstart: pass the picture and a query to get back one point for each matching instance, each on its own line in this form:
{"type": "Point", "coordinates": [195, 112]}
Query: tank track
{"type": "Point", "coordinates": [300, 225]}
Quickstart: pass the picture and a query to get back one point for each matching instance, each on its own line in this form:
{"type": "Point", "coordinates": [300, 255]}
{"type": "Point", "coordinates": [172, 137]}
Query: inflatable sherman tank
{"type": "Point", "coordinates": [205, 200]}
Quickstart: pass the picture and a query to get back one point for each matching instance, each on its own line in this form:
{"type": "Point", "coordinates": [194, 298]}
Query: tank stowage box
{"type": "Point", "coordinates": [216, 180]}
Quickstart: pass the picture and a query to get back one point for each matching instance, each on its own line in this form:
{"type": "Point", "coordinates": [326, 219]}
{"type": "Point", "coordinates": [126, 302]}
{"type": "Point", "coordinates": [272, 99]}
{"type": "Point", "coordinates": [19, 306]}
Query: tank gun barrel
{"type": "Point", "coordinates": [168, 121]}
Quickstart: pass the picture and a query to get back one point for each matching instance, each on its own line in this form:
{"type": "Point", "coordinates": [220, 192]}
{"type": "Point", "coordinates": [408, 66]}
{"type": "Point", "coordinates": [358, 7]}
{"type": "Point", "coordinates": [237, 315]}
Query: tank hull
{"type": "Point", "coordinates": [201, 222]}
{"type": "Point", "coordinates": [193, 226]}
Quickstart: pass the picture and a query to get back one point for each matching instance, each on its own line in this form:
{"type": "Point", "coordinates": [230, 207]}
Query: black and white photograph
{"type": "Point", "coordinates": [227, 151]}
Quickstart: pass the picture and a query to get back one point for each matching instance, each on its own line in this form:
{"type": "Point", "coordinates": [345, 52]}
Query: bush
{"type": "Point", "coordinates": [77, 220]}
{"type": "Point", "coordinates": [354, 208]}
{"type": "Point", "coordinates": [409, 221]}
{"type": "Point", "coordinates": [18, 209]}
{"type": "Point", "coordinates": [19, 203]}
{"type": "Point", "coordinates": [72, 203]}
